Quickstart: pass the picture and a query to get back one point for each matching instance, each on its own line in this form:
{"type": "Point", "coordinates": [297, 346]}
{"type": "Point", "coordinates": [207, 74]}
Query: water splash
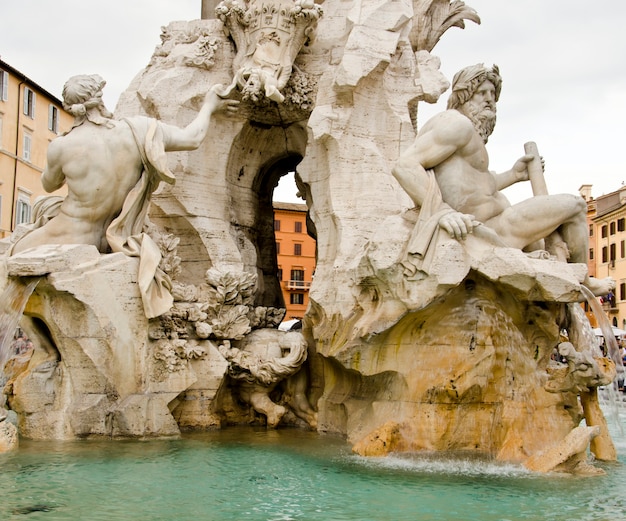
{"type": "Point", "coordinates": [438, 464]}
{"type": "Point", "coordinates": [605, 326]}
{"type": "Point", "coordinates": [12, 303]}
{"type": "Point", "coordinates": [613, 351]}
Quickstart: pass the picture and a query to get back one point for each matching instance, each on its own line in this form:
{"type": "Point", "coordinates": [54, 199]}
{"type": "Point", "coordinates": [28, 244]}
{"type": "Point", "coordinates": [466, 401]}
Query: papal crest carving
{"type": "Point", "coordinates": [268, 36]}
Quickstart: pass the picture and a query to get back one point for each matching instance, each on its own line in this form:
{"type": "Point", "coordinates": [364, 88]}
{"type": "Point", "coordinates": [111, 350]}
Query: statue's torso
{"type": "Point", "coordinates": [466, 183]}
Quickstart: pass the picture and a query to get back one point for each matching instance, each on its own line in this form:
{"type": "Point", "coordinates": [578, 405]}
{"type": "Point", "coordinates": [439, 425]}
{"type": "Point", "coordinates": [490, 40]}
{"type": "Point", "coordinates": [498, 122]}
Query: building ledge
{"type": "Point", "coordinates": [297, 285]}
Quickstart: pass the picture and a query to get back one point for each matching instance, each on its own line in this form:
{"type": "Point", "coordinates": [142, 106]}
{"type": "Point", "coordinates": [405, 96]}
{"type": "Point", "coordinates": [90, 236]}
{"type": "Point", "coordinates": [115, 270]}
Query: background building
{"type": "Point", "coordinates": [606, 217]}
{"type": "Point", "coordinates": [30, 117]}
{"type": "Point", "coordinates": [295, 251]}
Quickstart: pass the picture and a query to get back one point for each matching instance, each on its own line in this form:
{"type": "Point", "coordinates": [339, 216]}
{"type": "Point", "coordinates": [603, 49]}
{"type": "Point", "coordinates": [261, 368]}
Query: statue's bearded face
{"type": "Point", "coordinates": [481, 109]}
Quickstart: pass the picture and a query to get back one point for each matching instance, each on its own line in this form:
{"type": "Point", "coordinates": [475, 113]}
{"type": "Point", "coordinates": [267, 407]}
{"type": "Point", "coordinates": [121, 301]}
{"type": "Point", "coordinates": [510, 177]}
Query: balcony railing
{"type": "Point", "coordinates": [298, 285]}
{"type": "Point", "coordinates": [610, 307]}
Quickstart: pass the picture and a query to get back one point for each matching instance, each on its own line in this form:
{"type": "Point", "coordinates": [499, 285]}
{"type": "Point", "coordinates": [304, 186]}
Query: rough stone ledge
{"type": "Point", "coordinates": [51, 258]}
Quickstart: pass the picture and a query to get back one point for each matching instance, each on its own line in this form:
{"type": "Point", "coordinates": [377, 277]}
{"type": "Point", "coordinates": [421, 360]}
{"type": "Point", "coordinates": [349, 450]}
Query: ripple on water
{"type": "Point", "coordinates": [284, 475]}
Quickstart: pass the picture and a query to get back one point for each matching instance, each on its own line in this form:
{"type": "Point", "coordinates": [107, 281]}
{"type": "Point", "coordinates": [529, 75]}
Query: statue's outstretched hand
{"type": "Point", "coordinates": [217, 98]}
{"type": "Point", "coordinates": [458, 224]}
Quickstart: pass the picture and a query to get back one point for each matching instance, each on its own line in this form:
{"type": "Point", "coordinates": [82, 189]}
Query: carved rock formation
{"type": "Point", "coordinates": [569, 456]}
{"type": "Point", "coordinates": [452, 359]}
{"type": "Point", "coordinates": [8, 434]}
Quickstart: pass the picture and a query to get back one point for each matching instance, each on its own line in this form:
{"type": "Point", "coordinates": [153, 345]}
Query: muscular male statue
{"type": "Point", "coordinates": [101, 160]}
{"type": "Point", "coordinates": [111, 168]}
{"type": "Point", "coordinates": [452, 145]}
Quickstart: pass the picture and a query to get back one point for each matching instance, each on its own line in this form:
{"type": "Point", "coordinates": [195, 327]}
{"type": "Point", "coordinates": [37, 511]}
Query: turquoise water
{"type": "Point", "coordinates": [255, 474]}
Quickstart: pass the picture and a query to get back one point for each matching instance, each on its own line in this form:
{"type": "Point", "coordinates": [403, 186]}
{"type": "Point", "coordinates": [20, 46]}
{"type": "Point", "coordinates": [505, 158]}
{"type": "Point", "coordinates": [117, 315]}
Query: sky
{"type": "Point", "coordinates": [563, 64]}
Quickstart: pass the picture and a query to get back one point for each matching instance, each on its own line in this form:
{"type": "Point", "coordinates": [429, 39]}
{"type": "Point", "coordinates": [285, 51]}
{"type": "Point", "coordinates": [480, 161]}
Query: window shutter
{"type": "Point", "coordinates": [4, 77]}
{"type": "Point", "coordinates": [27, 143]}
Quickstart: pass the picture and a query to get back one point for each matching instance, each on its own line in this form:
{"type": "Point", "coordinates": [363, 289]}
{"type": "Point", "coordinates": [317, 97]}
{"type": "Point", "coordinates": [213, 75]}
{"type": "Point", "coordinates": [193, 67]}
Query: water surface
{"type": "Point", "coordinates": [254, 474]}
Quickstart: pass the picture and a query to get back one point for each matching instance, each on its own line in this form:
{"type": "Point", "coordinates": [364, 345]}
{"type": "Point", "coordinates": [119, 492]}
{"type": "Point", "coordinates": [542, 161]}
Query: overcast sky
{"type": "Point", "coordinates": [563, 64]}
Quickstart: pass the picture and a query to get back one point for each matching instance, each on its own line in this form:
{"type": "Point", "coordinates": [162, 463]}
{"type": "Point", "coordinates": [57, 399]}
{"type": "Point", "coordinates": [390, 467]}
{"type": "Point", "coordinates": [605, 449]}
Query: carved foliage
{"type": "Point", "coordinates": [221, 309]}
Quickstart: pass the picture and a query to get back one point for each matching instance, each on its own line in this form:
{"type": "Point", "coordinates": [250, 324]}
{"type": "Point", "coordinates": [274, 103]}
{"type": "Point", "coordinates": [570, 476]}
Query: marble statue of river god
{"type": "Point", "coordinates": [433, 320]}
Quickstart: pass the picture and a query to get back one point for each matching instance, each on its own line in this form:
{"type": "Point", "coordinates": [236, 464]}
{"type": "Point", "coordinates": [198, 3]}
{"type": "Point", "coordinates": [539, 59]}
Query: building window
{"type": "Point", "coordinates": [298, 227]}
{"type": "Point", "coordinates": [297, 274]}
{"type": "Point", "coordinates": [26, 147]}
{"type": "Point", "coordinates": [613, 252]}
{"type": "Point", "coordinates": [22, 215]}
{"type": "Point", "coordinates": [29, 102]}
{"type": "Point", "coordinates": [622, 249]}
{"type": "Point", "coordinates": [604, 231]}
{"type": "Point", "coordinates": [53, 119]}
{"type": "Point", "coordinates": [296, 298]}
{"type": "Point", "coordinates": [4, 85]}
{"type": "Point", "coordinates": [277, 248]}
{"type": "Point", "coordinates": [276, 225]}
{"type": "Point", "coordinates": [279, 274]}
{"type": "Point", "coordinates": [612, 228]}
{"type": "Point", "coordinates": [605, 254]}
{"type": "Point", "coordinates": [590, 253]}
{"type": "Point", "coordinates": [297, 249]}
{"type": "Point", "coordinates": [621, 224]}
{"type": "Point", "coordinates": [591, 230]}
{"type": "Point", "coordinates": [622, 291]}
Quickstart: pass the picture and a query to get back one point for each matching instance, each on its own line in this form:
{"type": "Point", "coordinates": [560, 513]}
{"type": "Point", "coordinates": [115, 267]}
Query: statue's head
{"type": "Point", "coordinates": [475, 91]}
{"type": "Point", "coordinates": [83, 92]}
{"type": "Point", "coordinates": [467, 80]}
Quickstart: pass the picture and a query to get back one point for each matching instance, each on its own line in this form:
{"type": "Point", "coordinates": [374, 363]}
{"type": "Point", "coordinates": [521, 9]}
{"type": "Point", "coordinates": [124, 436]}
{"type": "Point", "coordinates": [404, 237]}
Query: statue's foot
{"type": "Point", "coordinates": [312, 420]}
{"type": "Point", "coordinates": [274, 415]}
{"type": "Point", "coordinates": [300, 406]}
{"type": "Point", "coordinates": [600, 287]}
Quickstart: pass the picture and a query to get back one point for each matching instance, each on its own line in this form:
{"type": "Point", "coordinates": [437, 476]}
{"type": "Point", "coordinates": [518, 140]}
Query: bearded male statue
{"type": "Point", "coordinates": [446, 173]}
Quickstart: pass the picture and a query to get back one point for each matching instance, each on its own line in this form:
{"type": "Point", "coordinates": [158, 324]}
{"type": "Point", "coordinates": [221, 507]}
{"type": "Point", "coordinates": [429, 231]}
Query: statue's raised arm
{"type": "Point", "coordinates": [111, 168]}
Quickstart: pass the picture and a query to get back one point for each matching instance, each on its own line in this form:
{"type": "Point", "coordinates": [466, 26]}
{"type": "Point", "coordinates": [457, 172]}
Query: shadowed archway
{"type": "Point", "coordinates": [259, 157]}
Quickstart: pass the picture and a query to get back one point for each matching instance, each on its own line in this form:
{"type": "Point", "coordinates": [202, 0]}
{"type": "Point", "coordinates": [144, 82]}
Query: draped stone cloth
{"type": "Point", "coordinates": [420, 248]}
{"type": "Point", "coordinates": [125, 233]}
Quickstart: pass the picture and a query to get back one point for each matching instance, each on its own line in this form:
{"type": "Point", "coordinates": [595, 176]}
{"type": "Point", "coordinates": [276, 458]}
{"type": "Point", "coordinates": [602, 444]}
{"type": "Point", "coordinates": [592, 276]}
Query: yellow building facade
{"type": "Point", "coordinates": [606, 218]}
{"type": "Point", "coordinates": [30, 117]}
{"type": "Point", "coordinates": [295, 251]}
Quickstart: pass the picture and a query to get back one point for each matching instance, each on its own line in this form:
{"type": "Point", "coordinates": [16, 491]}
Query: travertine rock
{"type": "Point", "coordinates": [569, 455]}
{"type": "Point", "coordinates": [381, 442]}
{"type": "Point", "coordinates": [94, 370]}
{"type": "Point", "coordinates": [8, 434]}
{"type": "Point", "coordinates": [453, 357]}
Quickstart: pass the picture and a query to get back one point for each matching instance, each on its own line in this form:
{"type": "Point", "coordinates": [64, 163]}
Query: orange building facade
{"type": "Point", "coordinates": [30, 117]}
{"type": "Point", "coordinates": [295, 251]}
{"type": "Point", "coordinates": [606, 219]}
